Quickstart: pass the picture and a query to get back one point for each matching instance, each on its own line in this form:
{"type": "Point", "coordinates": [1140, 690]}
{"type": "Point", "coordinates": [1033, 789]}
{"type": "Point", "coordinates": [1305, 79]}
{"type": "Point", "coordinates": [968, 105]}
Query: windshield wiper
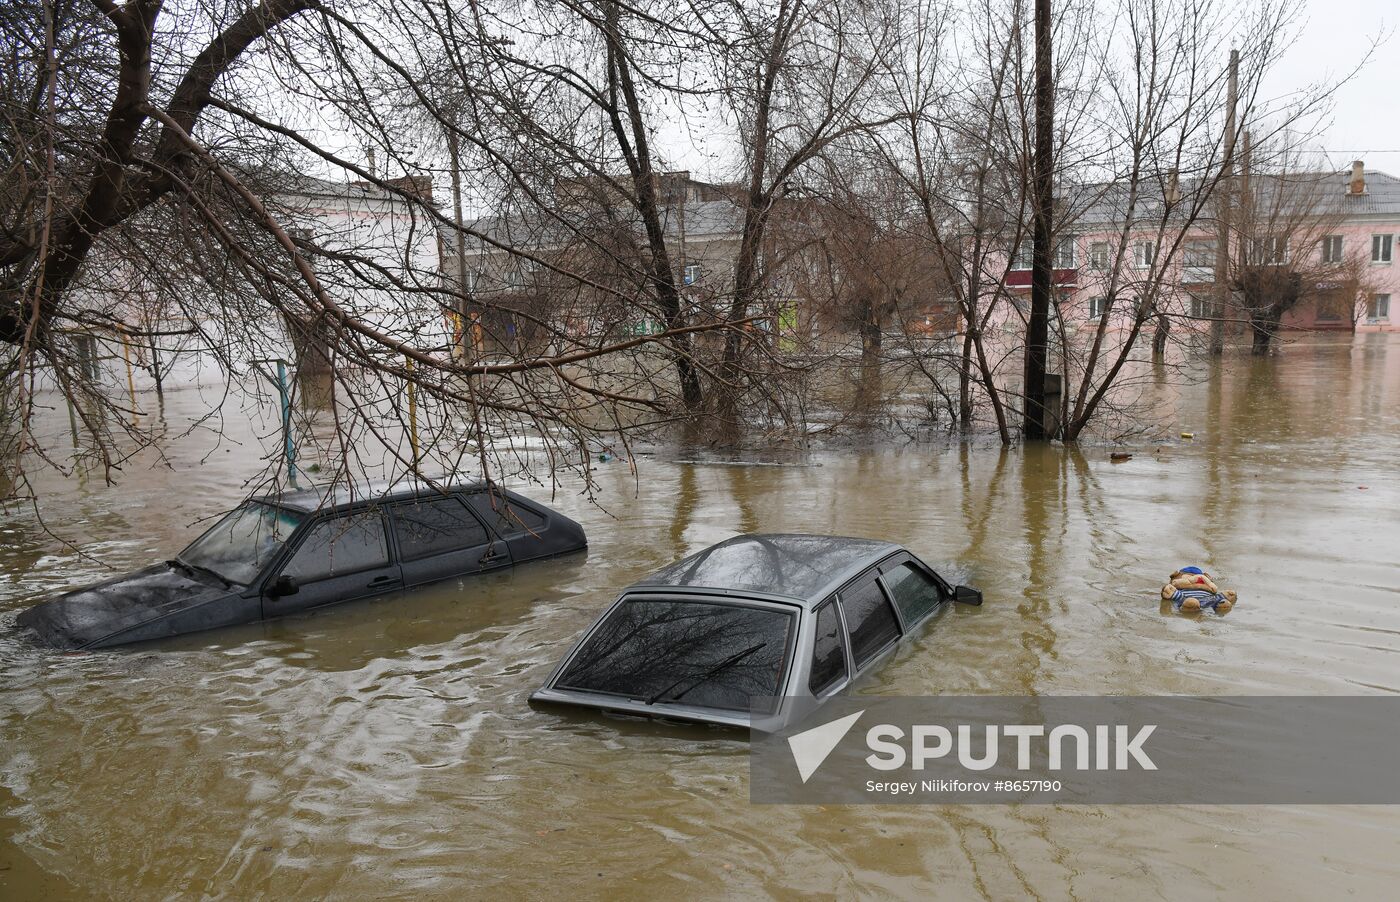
{"type": "Point", "coordinates": [712, 672]}
{"type": "Point", "coordinates": [192, 569]}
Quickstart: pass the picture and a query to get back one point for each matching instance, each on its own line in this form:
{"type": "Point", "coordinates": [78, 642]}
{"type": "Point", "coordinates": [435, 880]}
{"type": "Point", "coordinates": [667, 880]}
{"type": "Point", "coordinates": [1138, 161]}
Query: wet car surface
{"type": "Point", "coordinates": [283, 554]}
{"type": "Point", "coordinates": [756, 631]}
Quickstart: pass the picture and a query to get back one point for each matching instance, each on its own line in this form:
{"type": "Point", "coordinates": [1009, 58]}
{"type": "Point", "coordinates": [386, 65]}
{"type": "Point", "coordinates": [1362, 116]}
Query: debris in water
{"type": "Point", "coordinates": [1188, 435]}
{"type": "Point", "coordinates": [1119, 456]}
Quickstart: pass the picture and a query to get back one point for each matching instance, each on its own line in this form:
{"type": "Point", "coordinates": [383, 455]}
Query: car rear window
{"type": "Point", "coordinates": [505, 516]}
{"type": "Point", "coordinates": [704, 654]}
{"type": "Point", "coordinates": [914, 592]}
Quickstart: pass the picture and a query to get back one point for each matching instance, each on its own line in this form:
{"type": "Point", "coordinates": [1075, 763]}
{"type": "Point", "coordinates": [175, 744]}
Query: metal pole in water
{"type": "Point", "coordinates": [72, 420]}
{"type": "Point", "coordinates": [412, 413]}
{"type": "Point", "coordinates": [291, 448]}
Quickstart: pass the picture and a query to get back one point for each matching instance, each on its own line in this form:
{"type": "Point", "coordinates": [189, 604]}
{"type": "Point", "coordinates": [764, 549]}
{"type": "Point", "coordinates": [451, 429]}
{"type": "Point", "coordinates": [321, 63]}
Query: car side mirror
{"type": "Point", "coordinates": [284, 585]}
{"type": "Point", "coordinates": [967, 595]}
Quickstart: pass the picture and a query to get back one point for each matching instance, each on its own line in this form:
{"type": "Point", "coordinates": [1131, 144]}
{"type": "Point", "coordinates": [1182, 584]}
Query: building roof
{"type": "Point", "coordinates": [802, 567]}
{"type": "Point", "coordinates": [288, 184]}
{"type": "Point", "coordinates": [1382, 195]}
{"type": "Point", "coordinates": [1325, 193]}
{"type": "Point", "coordinates": [537, 230]}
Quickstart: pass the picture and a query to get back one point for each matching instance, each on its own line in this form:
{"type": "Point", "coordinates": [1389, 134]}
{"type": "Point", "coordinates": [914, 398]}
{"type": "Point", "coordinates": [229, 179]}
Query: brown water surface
{"type": "Point", "coordinates": [386, 749]}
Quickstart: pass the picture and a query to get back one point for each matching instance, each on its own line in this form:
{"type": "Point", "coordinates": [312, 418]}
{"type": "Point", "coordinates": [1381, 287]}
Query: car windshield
{"type": "Point", "coordinates": [242, 542]}
{"type": "Point", "coordinates": [696, 653]}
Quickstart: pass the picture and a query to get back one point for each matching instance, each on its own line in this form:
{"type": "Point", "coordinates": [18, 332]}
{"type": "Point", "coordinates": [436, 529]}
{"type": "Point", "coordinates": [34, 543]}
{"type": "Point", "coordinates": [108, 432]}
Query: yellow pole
{"type": "Point", "coordinates": [130, 379]}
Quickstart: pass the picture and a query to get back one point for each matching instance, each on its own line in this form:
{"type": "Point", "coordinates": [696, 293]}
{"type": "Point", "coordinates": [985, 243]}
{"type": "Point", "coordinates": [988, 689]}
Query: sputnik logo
{"type": "Point", "coordinates": [811, 747]}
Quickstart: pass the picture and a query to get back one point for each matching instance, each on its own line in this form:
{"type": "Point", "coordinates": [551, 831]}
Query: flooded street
{"type": "Point", "coordinates": [386, 749]}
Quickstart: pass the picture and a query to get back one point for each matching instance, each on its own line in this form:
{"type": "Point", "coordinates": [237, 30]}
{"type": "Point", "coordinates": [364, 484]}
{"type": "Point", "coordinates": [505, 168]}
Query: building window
{"type": "Point", "coordinates": [473, 279]}
{"type": "Point", "coordinates": [1098, 255]}
{"type": "Point", "coordinates": [1200, 253]}
{"type": "Point", "coordinates": [692, 273]}
{"type": "Point", "coordinates": [1378, 310]}
{"type": "Point", "coordinates": [1269, 251]}
{"type": "Point", "coordinates": [1097, 307]}
{"type": "Point", "coordinates": [1381, 246]}
{"type": "Point", "coordinates": [1063, 257]}
{"type": "Point", "coordinates": [1144, 254]}
{"type": "Point", "coordinates": [513, 278]}
{"type": "Point", "coordinates": [1021, 259]}
{"type": "Point", "coordinates": [1064, 254]}
{"type": "Point", "coordinates": [1200, 307]}
{"type": "Point", "coordinates": [1332, 249]}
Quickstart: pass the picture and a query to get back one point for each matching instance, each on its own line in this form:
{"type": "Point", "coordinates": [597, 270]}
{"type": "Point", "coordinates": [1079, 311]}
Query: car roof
{"type": "Point", "coordinates": [806, 568]}
{"type": "Point", "coordinates": [315, 498]}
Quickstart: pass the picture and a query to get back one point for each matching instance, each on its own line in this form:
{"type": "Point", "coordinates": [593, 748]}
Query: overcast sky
{"type": "Point", "coordinates": [1365, 123]}
{"type": "Point", "coordinates": [1332, 36]}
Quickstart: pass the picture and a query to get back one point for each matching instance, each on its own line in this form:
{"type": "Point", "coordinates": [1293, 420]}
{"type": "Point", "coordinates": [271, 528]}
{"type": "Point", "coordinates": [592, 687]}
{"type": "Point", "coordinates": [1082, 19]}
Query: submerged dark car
{"type": "Point", "coordinates": [282, 554]}
{"type": "Point", "coordinates": [756, 631]}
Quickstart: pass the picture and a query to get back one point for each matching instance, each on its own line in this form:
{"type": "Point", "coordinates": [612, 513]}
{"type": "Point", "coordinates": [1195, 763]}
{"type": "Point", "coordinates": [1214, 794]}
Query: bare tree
{"type": "Point", "coordinates": [1287, 250]}
{"type": "Point", "coordinates": [796, 77]}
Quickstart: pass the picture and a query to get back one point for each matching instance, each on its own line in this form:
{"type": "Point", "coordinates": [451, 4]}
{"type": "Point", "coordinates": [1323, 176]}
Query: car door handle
{"type": "Point", "coordinates": [381, 581]}
{"type": "Point", "coordinates": [490, 557]}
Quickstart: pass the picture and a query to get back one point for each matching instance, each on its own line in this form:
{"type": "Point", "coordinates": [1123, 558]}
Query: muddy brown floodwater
{"type": "Point", "coordinates": [386, 749]}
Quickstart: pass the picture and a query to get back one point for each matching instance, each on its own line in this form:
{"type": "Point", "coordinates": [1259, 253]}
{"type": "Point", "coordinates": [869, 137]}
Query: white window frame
{"type": "Point", "coordinates": [1144, 254]}
{"type": "Point", "coordinates": [1098, 255]}
{"type": "Point", "coordinates": [1198, 247]}
{"type": "Point", "coordinates": [1064, 255]}
{"type": "Point", "coordinates": [1201, 307]}
{"type": "Point", "coordinates": [1382, 249]}
{"type": "Point", "coordinates": [1378, 308]}
{"type": "Point", "coordinates": [690, 274]}
{"type": "Point", "coordinates": [1022, 255]}
{"type": "Point", "coordinates": [1098, 307]}
{"type": "Point", "coordinates": [1271, 250]}
{"type": "Point", "coordinates": [1332, 248]}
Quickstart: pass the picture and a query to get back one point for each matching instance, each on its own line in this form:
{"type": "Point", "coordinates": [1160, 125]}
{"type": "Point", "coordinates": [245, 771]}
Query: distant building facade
{"type": "Point", "coordinates": [1355, 231]}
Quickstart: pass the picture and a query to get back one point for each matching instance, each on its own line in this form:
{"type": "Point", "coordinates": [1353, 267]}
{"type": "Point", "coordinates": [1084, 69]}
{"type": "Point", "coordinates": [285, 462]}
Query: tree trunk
{"type": "Point", "coordinates": [1038, 327]}
{"type": "Point", "coordinates": [1265, 326]}
{"type": "Point", "coordinates": [638, 157]}
{"type": "Point", "coordinates": [870, 336]}
{"type": "Point", "coordinates": [1159, 338]}
{"type": "Point", "coordinates": [965, 383]}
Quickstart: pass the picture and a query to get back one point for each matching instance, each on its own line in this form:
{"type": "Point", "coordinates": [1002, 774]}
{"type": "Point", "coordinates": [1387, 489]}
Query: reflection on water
{"type": "Point", "coordinates": [386, 748]}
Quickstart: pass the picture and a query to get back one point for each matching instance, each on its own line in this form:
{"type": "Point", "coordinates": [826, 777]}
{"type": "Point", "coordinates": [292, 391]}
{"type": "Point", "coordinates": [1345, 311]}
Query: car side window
{"type": "Point", "coordinates": [339, 546]}
{"type": "Point", "coordinates": [914, 591]}
{"type": "Point", "coordinates": [828, 651]}
{"type": "Point", "coordinates": [426, 528]}
{"type": "Point", "coordinates": [869, 619]}
{"type": "Point", "coordinates": [505, 516]}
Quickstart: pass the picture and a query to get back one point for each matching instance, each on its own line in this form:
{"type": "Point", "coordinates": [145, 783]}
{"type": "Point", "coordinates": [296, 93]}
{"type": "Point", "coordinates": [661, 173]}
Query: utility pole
{"type": "Point", "coordinates": [462, 328]}
{"type": "Point", "coordinates": [1227, 199]}
{"type": "Point", "coordinates": [1042, 276]}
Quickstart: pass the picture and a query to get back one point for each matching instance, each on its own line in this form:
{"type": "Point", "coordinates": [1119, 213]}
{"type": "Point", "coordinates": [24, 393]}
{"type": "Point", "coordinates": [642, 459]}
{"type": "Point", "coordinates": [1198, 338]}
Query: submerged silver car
{"type": "Point", "coordinates": [756, 631]}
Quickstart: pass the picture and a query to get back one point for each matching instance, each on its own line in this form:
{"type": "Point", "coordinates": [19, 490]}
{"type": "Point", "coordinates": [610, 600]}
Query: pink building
{"type": "Point", "coordinates": [1356, 228]}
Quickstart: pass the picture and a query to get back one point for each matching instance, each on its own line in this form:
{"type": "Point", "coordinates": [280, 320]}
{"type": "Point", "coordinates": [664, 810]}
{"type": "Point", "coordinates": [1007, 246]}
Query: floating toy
{"type": "Point", "coordinates": [1191, 589]}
